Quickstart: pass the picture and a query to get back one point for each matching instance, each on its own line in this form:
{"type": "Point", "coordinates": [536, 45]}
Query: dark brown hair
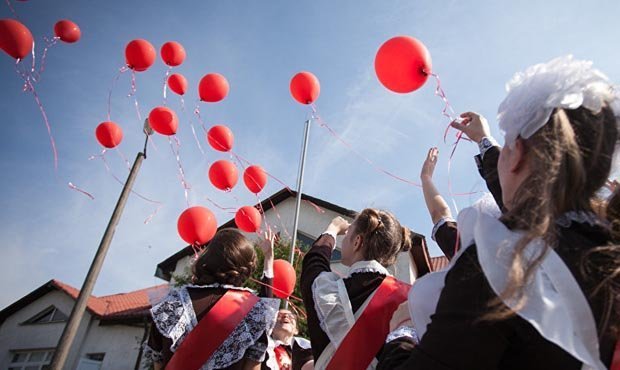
{"type": "Point", "coordinates": [229, 258]}
{"type": "Point", "coordinates": [382, 236]}
{"type": "Point", "coordinates": [570, 159]}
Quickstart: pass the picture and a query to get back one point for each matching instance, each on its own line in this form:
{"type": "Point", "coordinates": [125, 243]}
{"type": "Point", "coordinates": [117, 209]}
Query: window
{"type": "Point", "coordinates": [92, 361]}
{"type": "Point", "coordinates": [31, 360]}
{"type": "Point", "coordinates": [304, 240]}
{"type": "Point", "coordinates": [48, 315]}
{"type": "Point", "coordinates": [95, 356]}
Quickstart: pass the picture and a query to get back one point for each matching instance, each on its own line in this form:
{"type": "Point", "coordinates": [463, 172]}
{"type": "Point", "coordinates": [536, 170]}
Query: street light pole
{"type": "Point", "coordinates": [68, 335]}
{"type": "Point", "coordinates": [300, 181]}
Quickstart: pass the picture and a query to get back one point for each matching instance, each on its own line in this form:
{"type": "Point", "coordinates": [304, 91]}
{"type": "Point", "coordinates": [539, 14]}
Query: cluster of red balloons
{"type": "Point", "coordinates": [16, 39]}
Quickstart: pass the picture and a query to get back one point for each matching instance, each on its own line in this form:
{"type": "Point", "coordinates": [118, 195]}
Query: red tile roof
{"type": "Point", "coordinates": [117, 305]}
{"type": "Point", "coordinates": [439, 263]}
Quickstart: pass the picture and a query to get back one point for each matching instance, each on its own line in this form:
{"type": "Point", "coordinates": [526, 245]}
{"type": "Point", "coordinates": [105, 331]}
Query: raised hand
{"type": "Point", "coordinates": [428, 168]}
{"type": "Point", "coordinates": [339, 226]}
{"type": "Point", "coordinates": [473, 125]}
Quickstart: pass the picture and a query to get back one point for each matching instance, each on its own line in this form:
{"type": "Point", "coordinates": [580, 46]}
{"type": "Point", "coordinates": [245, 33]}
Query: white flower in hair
{"type": "Point", "coordinates": [560, 83]}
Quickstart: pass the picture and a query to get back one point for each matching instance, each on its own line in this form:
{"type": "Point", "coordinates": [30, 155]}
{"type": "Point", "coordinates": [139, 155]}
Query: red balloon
{"type": "Point", "coordinates": [403, 64]}
{"type": "Point", "coordinates": [284, 279]}
{"type": "Point", "coordinates": [67, 31]}
{"type": "Point", "coordinates": [255, 178]}
{"type": "Point", "coordinates": [197, 225]}
{"type": "Point", "coordinates": [248, 219]}
{"type": "Point", "coordinates": [177, 83]}
{"type": "Point", "coordinates": [109, 134]}
{"type": "Point", "coordinates": [15, 38]}
{"type": "Point", "coordinates": [305, 87]}
{"type": "Point", "coordinates": [163, 120]}
{"type": "Point", "coordinates": [213, 87]}
{"type": "Point", "coordinates": [172, 53]}
{"type": "Point", "coordinates": [223, 174]}
{"type": "Point", "coordinates": [220, 138]}
{"type": "Point", "coordinates": [140, 55]}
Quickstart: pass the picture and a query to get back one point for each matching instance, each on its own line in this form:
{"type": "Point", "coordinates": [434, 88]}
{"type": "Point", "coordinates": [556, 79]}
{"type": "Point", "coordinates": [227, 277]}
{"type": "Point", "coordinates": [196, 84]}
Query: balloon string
{"type": "Point", "coordinates": [319, 209]}
{"type": "Point", "coordinates": [177, 155]}
{"type": "Point", "coordinates": [124, 158]}
{"type": "Point", "coordinates": [29, 87]}
{"type": "Point", "coordinates": [133, 93]}
{"type": "Point", "coordinates": [323, 124]}
{"type": "Point", "coordinates": [276, 289]}
{"type": "Point", "coordinates": [166, 84]}
{"type": "Point", "coordinates": [34, 58]}
{"type": "Point", "coordinates": [114, 80]}
{"type": "Point", "coordinates": [80, 190]}
{"type": "Point", "coordinates": [279, 218]}
{"type": "Point", "coordinates": [225, 209]}
{"type": "Point", "coordinates": [8, 2]}
{"type": "Point", "coordinates": [48, 45]}
{"type": "Point", "coordinates": [122, 183]}
{"type": "Point", "coordinates": [192, 126]}
{"type": "Point", "coordinates": [298, 310]}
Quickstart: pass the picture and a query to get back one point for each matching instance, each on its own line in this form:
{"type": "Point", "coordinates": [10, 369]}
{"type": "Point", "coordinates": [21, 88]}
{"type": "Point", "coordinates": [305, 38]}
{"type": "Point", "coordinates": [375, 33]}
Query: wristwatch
{"type": "Point", "coordinates": [485, 144]}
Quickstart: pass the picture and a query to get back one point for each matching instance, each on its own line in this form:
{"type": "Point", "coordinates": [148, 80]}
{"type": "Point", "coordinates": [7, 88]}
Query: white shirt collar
{"type": "Point", "coordinates": [367, 266]}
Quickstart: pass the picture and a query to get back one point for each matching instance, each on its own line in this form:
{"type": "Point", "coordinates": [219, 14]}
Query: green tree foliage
{"type": "Point", "coordinates": [281, 251]}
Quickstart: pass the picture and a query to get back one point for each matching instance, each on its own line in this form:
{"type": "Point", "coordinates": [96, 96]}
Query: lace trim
{"type": "Point", "coordinates": [581, 217]}
{"type": "Point", "coordinates": [403, 332]}
{"type": "Point", "coordinates": [223, 286]}
{"type": "Point", "coordinates": [368, 266]}
{"type": "Point", "coordinates": [174, 317]}
{"type": "Point", "coordinates": [261, 318]}
{"type": "Point", "coordinates": [150, 354]}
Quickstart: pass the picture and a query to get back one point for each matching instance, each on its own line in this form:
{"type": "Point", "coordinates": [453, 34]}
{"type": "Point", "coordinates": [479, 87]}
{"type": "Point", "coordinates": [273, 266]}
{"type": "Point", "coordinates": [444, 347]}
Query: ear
{"type": "Point", "coordinates": [518, 156]}
{"type": "Point", "coordinates": [357, 243]}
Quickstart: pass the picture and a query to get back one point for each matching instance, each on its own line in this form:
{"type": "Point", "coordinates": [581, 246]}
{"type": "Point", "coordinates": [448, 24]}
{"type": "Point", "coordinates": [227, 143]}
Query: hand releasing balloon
{"type": "Point", "coordinates": [140, 55]}
{"type": "Point", "coordinates": [172, 53]}
{"type": "Point", "coordinates": [403, 64]}
{"type": "Point", "coordinates": [223, 174]}
{"type": "Point", "coordinates": [248, 219]}
{"type": "Point", "coordinates": [305, 87]}
{"type": "Point", "coordinates": [255, 178]}
{"type": "Point", "coordinates": [15, 38]}
{"type": "Point", "coordinates": [197, 225]}
{"type": "Point", "coordinates": [177, 83]}
{"type": "Point", "coordinates": [213, 87]}
{"type": "Point", "coordinates": [284, 279]}
{"type": "Point", "coordinates": [163, 120]}
{"type": "Point", "coordinates": [109, 134]}
{"type": "Point", "coordinates": [67, 31]}
{"type": "Point", "coordinates": [220, 138]}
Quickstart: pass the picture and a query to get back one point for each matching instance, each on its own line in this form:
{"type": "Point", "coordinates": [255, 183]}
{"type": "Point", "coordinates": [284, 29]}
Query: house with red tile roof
{"type": "Point", "coordinates": [109, 337]}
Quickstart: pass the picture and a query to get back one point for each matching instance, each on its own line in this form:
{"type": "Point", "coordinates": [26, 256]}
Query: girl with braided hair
{"type": "Point", "coordinates": [214, 323]}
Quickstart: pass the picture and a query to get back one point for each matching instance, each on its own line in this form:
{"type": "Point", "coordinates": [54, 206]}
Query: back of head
{"type": "Point", "coordinates": [382, 235]}
{"type": "Point", "coordinates": [229, 258]}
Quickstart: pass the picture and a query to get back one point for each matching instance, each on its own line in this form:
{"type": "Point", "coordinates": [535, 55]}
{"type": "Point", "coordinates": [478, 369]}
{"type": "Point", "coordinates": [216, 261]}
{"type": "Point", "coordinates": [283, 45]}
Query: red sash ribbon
{"type": "Point", "coordinates": [212, 330]}
{"type": "Point", "coordinates": [615, 362]}
{"type": "Point", "coordinates": [366, 337]}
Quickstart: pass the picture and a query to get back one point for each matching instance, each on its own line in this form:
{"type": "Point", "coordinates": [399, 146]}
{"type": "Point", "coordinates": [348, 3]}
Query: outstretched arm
{"type": "Point", "coordinates": [266, 245]}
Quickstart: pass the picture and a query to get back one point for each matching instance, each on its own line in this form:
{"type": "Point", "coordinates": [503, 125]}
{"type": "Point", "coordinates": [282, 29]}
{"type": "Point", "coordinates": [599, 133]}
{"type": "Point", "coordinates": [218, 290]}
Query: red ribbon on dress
{"type": "Point", "coordinates": [212, 330]}
{"type": "Point", "coordinates": [367, 336]}
{"type": "Point", "coordinates": [615, 362]}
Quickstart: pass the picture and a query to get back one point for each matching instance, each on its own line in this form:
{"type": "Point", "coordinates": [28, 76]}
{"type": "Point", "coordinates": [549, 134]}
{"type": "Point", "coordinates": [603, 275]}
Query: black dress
{"type": "Point", "coordinates": [456, 338]}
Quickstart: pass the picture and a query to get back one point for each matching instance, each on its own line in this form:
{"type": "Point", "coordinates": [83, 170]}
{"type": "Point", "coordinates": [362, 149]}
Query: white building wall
{"type": "Point", "coordinates": [120, 343]}
{"type": "Point", "coordinates": [14, 336]}
{"type": "Point", "coordinates": [312, 222]}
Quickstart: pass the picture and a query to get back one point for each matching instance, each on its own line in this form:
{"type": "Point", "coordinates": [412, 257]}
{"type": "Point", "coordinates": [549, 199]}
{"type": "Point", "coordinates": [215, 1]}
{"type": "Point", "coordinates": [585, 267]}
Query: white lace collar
{"type": "Point", "coordinates": [367, 266]}
{"type": "Point", "coordinates": [218, 285]}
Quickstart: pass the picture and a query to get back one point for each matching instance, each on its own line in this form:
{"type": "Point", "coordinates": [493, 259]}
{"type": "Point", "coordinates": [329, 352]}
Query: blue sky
{"type": "Point", "coordinates": [49, 231]}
